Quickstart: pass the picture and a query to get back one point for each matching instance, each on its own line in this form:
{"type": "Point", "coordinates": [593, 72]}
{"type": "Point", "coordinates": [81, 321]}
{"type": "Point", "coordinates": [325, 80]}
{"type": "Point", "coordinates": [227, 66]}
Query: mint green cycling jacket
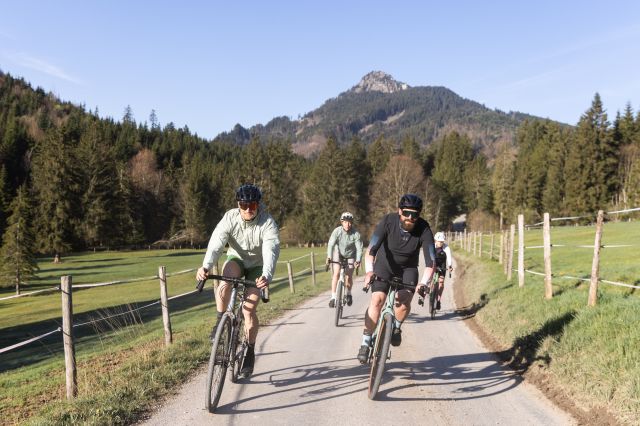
{"type": "Point", "coordinates": [349, 243]}
{"type": "Point", "coordinates": [256, 242]}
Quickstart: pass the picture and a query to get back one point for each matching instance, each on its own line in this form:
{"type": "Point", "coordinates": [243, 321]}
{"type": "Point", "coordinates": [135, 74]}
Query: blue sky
{"type": "Point", "coordinates": [210, 65]}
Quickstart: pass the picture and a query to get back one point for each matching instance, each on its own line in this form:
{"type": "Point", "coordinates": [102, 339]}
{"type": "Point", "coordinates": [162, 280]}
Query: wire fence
{"type": "Point", "coordinates": [473, 242]}
{"type": "Point", "coordinates": [275, 280]}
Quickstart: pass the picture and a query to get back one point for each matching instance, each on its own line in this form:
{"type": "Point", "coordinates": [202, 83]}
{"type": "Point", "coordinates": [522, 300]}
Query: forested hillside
{"type": "Point", "coordinates": [95, 182]}
{"type": "Point", "coordinates": [368, 111]}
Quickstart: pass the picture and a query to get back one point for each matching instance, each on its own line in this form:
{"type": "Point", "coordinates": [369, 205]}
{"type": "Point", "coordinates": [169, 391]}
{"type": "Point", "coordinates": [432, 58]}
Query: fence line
{"type": "Point", "coordinates": [56, 288]}
{"type": "Point", "coordinates": [585, 279]}
{"type": "Point", "coordinates": [26, 342]}
{"type": "Point", "coordinates": [507, 240]}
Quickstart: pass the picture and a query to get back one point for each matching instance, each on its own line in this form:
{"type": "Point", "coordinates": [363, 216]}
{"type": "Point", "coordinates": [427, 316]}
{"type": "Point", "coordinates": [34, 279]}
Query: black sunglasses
{"type": "Point", "coordinates": [410, 213]}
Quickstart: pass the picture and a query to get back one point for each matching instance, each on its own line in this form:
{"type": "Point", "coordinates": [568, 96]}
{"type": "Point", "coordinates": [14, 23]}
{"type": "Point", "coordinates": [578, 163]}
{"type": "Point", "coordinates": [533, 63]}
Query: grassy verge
{"type": "Point", "coordinates": [585, 355]}
{"type": "Point", "coordinates": [123, 367]}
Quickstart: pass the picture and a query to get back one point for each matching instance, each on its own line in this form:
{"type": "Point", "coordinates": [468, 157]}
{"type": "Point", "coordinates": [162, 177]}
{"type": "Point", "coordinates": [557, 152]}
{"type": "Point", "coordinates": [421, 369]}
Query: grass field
{"type": "Point", "coordinates": [123, 366]}
{"type": "Point", "coordinates": [590, 352]}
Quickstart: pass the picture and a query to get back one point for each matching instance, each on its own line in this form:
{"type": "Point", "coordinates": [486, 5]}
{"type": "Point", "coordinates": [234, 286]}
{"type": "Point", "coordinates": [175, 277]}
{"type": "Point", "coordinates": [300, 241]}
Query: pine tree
{"type": "Point", "coordinates": [323, 194]}
{"type": "Point", "coordinates": [553, 196]}
{"type": "Point", "coordinates": [592, 162]}
{"type": "Point", "coordinates": [18, 248]}
{"type": "Point", "coordinates": [98, 182]}
{"type": "Point", "coordinates": [55, 184]}
{"type": "Point", "coordinates": [378, 155]}
{"type": "Point", "coordinates": [502, 183]}
{"type": "Point", "coordinates": [357, 179]}
{"type": "Point", "coordinates": [453, 153]}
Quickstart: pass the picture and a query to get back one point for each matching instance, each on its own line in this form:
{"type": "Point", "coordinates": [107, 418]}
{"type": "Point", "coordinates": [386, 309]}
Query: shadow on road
{"type": "Point", "coordinates": [461, 377]}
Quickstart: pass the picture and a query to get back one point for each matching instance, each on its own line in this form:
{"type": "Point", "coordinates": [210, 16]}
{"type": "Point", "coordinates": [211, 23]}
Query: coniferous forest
{"type": "Point", "coordinates": [70, 180]}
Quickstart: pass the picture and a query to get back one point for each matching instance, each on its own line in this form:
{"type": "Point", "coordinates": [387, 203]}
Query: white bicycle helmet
{"type": "Point", "coordinates": [346, 216]}
{"type": "Point", "coordinates": [439, 236]}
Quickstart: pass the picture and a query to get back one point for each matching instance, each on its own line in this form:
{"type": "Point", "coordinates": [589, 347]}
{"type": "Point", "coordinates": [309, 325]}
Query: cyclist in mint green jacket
{"type": "Point", "coordinates": [349, 247]}
{"type": "Point", "coordinates": [254, 247]}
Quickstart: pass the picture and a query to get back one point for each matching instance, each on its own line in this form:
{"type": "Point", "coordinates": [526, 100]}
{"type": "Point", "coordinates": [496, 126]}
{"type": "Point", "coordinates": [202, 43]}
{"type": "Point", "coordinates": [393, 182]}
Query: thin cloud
{"type": "Point", "coordinates": [39, 65]}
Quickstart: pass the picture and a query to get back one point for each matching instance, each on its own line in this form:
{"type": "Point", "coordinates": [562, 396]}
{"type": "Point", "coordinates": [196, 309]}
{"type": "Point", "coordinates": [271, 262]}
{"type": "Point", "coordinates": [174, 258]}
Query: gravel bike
{"type": "Point", "coordinates": [433, 290]}
{"type": "Point", "coordinates": [341, 297]}
{"type": "Point", "coordinates": [379, 346]}
{"type": "Point", "coordinates": [230, 341]}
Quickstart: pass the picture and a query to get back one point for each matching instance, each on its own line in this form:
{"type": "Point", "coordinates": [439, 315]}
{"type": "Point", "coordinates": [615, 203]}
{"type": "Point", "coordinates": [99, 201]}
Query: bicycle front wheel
{"type": "Point", "coordinates": [433, 300]}
{"type": "Point", "coordinates": [218, 362]}
{"type": "Point", "coordinates": [339, 302]}
{"type": "Point", "coordinates": [380, 353]}
{"type": "Point", "coordinates": [239, 349]}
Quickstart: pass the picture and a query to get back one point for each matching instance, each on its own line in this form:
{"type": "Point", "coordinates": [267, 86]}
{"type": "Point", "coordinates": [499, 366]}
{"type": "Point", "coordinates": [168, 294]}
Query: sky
{"type": "Point", "coordinates": [212, 64]}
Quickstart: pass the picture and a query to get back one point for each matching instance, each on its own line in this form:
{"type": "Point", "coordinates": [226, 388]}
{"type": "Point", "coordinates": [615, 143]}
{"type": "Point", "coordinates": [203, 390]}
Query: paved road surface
{"type": "Point", "coordinates": [306, 373]}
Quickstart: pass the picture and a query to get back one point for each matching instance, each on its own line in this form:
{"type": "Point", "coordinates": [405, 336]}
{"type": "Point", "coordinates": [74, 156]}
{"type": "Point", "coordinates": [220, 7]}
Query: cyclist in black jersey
{"type": "Point", "coordinates": [394, 252]}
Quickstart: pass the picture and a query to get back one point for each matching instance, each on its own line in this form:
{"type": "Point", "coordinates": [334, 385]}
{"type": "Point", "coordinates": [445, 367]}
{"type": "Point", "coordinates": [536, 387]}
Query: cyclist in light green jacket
{"type": "Point", "coordinates": [254, 247]}
{"type": "Point", "coordinates": [349, 246]}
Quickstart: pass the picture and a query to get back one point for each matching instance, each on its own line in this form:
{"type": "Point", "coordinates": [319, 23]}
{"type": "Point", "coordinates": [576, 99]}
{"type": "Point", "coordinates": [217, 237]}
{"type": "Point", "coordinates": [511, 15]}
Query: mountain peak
{"type": "Point", "coordinates": [379, 81]}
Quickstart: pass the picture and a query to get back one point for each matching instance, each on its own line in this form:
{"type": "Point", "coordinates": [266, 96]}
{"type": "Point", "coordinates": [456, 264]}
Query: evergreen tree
{"type": "Point", "coordinates": [502, 184]}
{"type": "Point", "coordinates": [18, 251]}
{"type": "Point", "coordinates": [195, 201]}
{"type": "Point", "coordinates": [357, 179]}
{"type": "Point", "coordinates": [477, 186]}
{"type": "Point", "coordinates": [55, 184]}
{"type": "Point", "coordinates": [591, 163]}
{"type": "Point", "coordinates": [323, 194]}
{"type": "Point", "coordinates": [553, 196]}
{"type": "Point", "coordinates": [98, 183]}
{"type": "Point", "coordinates": [453, 153]}
{"type": "Point", "coordinates": [379, 153]}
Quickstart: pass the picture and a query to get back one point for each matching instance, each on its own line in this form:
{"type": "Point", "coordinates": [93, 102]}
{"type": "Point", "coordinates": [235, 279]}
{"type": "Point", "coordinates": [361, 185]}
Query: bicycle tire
{"type": "Point", "coordinates": [433, 299]}
{"type": "Point", "coordinates": [238, 349]}
{"type": "Point", "coordinates": [218, 361]}
{"type": "Point", "coordinates": [380, 352]}
{"type": "Point", "coordinates": [339, 302]}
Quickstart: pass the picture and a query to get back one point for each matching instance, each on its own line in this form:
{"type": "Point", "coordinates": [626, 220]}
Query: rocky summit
{"type": "Point", "coordinates": [379, 81]}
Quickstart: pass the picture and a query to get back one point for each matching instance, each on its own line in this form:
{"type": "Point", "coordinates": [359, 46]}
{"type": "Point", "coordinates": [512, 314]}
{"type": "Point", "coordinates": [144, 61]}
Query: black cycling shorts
{"type": "Point", "coordinates": [409, 275]}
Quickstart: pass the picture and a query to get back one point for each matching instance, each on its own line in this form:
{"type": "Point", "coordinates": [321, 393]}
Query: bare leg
{"type": "Point", "coordinates": [403, 304]}
{"type": "Point", "coordinates": [373, 312]}
{"type": "Point", "coordinates": [223, 291]}
{"type": "Point", "coordinates": [252, 296]}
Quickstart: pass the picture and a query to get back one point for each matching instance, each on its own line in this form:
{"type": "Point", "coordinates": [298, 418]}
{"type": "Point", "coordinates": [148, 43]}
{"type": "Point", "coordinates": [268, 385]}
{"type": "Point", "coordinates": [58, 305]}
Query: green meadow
{"type": "Point", "coordinates": [590, 353]}
{"type": "Point", "coordinates": [123, 366]}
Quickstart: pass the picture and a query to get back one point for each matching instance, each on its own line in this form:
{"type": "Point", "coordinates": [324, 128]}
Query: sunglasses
{"type": "Point", "coordinates": [253, 205]}
{"type": "Point", "coordinates": [410, 213]}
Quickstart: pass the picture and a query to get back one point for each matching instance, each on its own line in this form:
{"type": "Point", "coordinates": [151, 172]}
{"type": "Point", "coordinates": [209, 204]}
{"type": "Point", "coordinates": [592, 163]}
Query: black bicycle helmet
{"type": "Point", "coordinates": [248, 192]}
{"type": "Point", "coordinates": [410, 201]}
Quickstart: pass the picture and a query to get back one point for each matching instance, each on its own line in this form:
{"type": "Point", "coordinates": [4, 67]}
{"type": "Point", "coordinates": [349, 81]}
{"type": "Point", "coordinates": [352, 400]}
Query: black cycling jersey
{"type": "Point", "coordinates": [396, 249]}
{"type": "Point", "coordinates": [441, 260]}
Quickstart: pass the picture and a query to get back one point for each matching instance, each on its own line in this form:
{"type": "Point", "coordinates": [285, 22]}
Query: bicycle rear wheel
{"type": "Point", "coordinates": [239, 349]}
{"type": "Point", "coordinates": [380, 353]}
{"type": "Point", "coordinates": [433, 299]}
{"type": "Point", "coordinates": [218, 362]}
{"type": "Point", "coordinates": [339, 302]}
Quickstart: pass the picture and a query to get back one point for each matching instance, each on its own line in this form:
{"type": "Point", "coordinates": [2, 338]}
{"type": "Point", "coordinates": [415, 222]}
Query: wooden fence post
{"type": "Point", "coordinates": [164, 302]}
{"type": "Point", "coordinates": [491, 248]}
{"type": "Point", "coordinates": [595, 266]}
{"type": "Point", "coordinates": [520, 250]}
{"type": "Point", "coordinates": [67, 337]}
{"type": "Point", "coordinates": [290, 273]}
{"type": "Point", "coordinates": [502, 244]}
{"type": "Point", "coordinates": [512, 236]}
{"type": "Point", "coordinates": [546, 237]}
{"type": "Point", "coordinates": [313, 268]}
{"type": "Point", "coordinates": [480, 245]}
